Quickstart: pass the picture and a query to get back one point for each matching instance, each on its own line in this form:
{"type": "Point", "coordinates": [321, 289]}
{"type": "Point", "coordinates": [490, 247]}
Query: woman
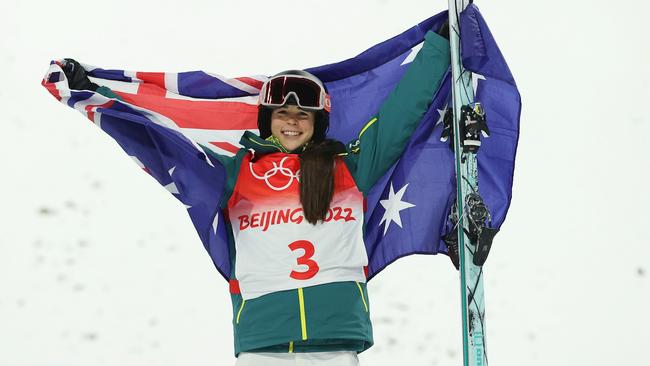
{"type": "Point", "coordinates": [295, 203]}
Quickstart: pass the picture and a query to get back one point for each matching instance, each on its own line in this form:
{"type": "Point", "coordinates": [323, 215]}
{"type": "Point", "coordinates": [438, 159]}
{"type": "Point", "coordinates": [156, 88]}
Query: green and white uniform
{"type": "Point", "coordinates": [297, 287]}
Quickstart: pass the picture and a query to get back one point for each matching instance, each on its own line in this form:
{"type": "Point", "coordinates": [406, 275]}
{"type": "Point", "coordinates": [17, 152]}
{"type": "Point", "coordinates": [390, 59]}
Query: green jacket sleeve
{"type": "Point", "coordinates": [383, 139]}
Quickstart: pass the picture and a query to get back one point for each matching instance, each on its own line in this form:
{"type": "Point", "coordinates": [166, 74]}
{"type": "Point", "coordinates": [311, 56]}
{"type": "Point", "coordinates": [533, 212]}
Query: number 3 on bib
{"type": "Point", "coordinates": [308, 247]}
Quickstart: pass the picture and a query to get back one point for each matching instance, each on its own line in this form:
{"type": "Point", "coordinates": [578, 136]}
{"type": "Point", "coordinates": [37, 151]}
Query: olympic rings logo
{"type": "Point", "coordinates": [277, 169]}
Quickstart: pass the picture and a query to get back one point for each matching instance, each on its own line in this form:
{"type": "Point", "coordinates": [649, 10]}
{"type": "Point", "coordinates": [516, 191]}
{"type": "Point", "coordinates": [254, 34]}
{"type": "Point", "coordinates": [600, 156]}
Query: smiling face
{"type": "Point", "coordinates": [293, 126]}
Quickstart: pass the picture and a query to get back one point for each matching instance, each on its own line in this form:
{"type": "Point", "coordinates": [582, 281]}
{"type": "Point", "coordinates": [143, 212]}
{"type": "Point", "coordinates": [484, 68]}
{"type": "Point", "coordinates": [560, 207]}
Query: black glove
{"type": "Point", "coordinates": [443, 31]}
{"type": "Point", "coordinates": [76, 75]}
{"type": "Point", "coordinates": [451, 240]}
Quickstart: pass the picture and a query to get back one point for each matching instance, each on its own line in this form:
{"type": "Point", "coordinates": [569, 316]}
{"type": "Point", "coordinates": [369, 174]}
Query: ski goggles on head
{"type": "Point", "coordinates": [309, 94]}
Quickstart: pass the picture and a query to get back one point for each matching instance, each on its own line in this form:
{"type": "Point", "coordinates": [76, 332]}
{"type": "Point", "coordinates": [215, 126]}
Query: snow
{"type": "Point", "coordinates": [101, 266]}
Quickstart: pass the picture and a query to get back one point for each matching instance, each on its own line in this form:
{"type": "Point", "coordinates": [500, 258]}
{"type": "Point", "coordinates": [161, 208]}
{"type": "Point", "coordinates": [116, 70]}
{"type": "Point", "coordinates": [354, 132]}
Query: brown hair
{"type": "Point", "coordinates": [317, 178]}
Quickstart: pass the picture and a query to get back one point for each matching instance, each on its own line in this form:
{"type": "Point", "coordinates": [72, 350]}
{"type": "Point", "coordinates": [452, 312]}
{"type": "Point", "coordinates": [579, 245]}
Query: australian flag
{"type": "Point", "coordinates": [164, 121]}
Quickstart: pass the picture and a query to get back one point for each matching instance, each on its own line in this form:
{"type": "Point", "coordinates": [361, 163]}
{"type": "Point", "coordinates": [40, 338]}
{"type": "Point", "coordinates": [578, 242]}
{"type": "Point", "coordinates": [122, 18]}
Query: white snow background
{"type": "Point", "coordinates": [99, 265]}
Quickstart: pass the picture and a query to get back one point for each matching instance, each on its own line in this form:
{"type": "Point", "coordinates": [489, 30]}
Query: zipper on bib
{"type": "Point", "coordinates": [303, 320]}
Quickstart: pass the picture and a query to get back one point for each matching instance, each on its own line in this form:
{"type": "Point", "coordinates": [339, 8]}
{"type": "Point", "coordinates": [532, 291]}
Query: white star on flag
{"type": "Point", "coordinates": [475, 78]}
{"type": "Point", "coordinates": [393, 205]}
{"type": "Point", "coordinates": [414, 52]}
{"type": "Point", "coordinates": [442, 112]}
{"type": "Point", "coordinates": [215, 222]}
{"type": "Point", "coordinates": [171, 187]}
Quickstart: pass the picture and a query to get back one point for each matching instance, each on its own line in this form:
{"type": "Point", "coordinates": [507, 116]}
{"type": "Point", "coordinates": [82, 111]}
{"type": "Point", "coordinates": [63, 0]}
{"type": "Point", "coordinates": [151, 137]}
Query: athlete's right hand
{"type": "Point", "coordinates": [76, 75]}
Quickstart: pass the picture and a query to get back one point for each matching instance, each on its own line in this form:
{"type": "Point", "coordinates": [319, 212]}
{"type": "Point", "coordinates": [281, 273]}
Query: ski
{"type": "Point", "coordinates": [472, 238]}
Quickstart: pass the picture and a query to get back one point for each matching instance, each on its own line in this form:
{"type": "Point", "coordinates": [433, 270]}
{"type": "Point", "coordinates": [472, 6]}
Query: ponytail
{"type": "Point", "coordinates": [317, 178]}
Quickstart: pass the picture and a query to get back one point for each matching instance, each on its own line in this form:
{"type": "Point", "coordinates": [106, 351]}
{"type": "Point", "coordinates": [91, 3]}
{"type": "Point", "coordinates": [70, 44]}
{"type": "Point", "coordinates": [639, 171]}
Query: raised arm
{"type": "Point", "coordinates": [78, 80]}
{"type": "Point", "coordinates": [193, 174]}
{"type": "Point", "coordinates": [383, 139]}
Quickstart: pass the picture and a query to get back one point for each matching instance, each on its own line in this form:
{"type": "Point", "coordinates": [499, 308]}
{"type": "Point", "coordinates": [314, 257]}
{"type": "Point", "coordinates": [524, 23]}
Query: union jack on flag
{"type": "Point", "coordinates": [164, 121]}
